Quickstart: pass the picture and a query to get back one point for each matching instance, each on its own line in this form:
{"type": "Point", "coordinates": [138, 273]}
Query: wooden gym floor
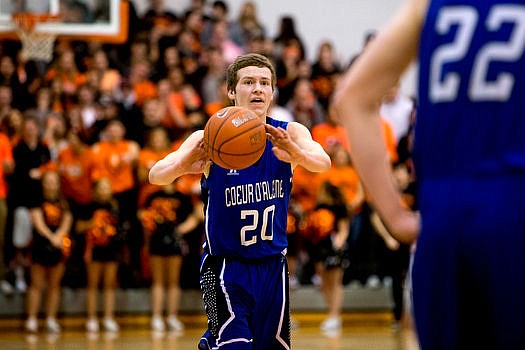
{"type": "Point", "coordinates": [361, 331]}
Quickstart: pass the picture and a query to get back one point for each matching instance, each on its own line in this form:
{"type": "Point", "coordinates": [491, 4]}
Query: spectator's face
{"type": "Point", "coordinates": [163, 88]}
{"type": "Point", "coordinates": [67, 60]}
{"type": "Point", "coordinates": [159, 140]}
{"type": "Point", "coordinates": [114, 132]}
{"type": "Point", "coordinates": [254, 89]}
{"type": "Point", "coordinates": [153, 112]}
{"type": "Point", "coordinates": [51, 185]}
{"type": "Point", "coordinates": [303, 94]}
{"type": "Point", "coordinates": [30, 130]}
{"type": "Point", "coordinates": [171, 57]}
{"type": "Point", "coordinates": [100, 60]}
{"type": "Point", "coordinates": [6, 66]}
{"type": "Point", "coordinates": [5, 96]}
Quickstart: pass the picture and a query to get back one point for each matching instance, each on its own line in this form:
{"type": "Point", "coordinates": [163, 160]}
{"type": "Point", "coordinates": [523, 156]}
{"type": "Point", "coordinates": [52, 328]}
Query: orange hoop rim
{"type": "Point", "coordinates": [28, 20]}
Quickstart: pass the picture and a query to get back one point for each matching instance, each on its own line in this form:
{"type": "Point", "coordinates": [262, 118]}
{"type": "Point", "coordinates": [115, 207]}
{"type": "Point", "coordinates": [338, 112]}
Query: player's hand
{"type": "Point", "coordinates": [197, 158]}
{"type": "Point", "coordinates": [405, 226]}
{"type": "Point", "coordinates": [284, 148]}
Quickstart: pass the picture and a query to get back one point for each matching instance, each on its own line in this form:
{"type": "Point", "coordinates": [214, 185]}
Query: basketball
{"type": "Point", "coordinates": [234, 138]}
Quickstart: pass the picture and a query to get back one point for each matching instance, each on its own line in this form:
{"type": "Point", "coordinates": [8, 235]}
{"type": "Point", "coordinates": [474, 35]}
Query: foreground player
{"type": "Point", "coordinates": [244, 277]}
{"type": "Point", "coordinates": [468, 281]}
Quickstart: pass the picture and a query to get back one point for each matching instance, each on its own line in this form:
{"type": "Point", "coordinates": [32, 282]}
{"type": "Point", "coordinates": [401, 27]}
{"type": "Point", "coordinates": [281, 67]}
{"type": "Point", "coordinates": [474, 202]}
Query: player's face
{"type": "Point", "coordinates": [253, 90]}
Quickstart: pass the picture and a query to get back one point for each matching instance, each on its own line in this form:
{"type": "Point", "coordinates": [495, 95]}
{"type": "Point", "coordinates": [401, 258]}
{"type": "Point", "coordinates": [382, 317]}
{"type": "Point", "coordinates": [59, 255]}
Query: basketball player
{"type": "Point", "coordinates": [244, 277]}
{"type": "Point", "coordinates": [468, 280]}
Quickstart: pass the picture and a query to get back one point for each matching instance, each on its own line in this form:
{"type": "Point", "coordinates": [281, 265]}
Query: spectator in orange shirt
{"type": "Point", "coordinates": [116, 159]}
{"type": "Point", "coordinates": [331, 132]}
{"type": "Point", "coordinates": [157, 147]}
{"type": "Point", "coordinates": [66, 71]}
{"type": "Point", "coordinates": [304, 189]}
{"type": "Point", "coordinates": [143, 87]}
{"type": "Point", "coordinates": [6, 167]}
{"type": "Point", "coordinates": [390, 140]}
{"type": "Point", "coordinates": [343, 176]}
{"type": "Point", "coordinates": [173, 106]}
{"type": "Point", "coordinates": [75, 165]}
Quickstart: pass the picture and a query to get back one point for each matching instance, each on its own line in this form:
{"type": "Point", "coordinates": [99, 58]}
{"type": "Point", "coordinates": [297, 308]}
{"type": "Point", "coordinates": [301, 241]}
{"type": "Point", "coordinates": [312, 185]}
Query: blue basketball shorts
{"type": "Point", "coordinates": [246, 302]}
{"type": "Point", "coordinates": [468, 275]}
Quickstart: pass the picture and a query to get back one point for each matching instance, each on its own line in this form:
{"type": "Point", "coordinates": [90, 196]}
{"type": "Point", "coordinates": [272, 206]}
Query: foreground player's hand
{"type": "Point", "coordinates": [284, 148]}
{"type": "Point", "coordinates": [405, 226]}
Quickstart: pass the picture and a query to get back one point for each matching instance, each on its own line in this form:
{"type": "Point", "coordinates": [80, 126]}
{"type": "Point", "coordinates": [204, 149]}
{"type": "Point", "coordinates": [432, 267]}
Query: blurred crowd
{"type": "Point", "coordinates": [100, 115]}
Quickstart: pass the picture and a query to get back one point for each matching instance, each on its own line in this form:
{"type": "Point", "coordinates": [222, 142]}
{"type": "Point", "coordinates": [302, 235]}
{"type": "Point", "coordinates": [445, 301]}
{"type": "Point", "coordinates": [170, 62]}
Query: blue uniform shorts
{"type": "Point", "coordinates": [468, 276]}
{"type": "Point", "coordinates": [246, 302]}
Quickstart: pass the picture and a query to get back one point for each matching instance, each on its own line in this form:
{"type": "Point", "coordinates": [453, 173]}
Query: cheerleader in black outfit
{"type": "Point", "coordinates": [168, 215]}
{"type": "Point", "coordinates": [50, 247]}
{"type": "Point", "coordinates": [103, 246]}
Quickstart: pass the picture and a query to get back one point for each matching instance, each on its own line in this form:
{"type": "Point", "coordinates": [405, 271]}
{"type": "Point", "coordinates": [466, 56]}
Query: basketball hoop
{"type": "Point", "coordinates": [36, 45]}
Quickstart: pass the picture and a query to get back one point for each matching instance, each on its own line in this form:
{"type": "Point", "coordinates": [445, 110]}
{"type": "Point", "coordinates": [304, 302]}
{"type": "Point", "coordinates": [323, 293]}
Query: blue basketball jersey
{"type": "Point", "coordinates": [469, 154]}
{"type": "Point", "coordinates": [246, 210]}
{"type": "Point", "coordinates": [471, 83]}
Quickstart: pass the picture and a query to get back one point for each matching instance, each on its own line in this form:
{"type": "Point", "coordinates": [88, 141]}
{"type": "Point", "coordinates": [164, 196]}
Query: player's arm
{"type": "Point", "coordinates": [296, 146]}
{"type": "Point", "coordinates": [357, 102]}
{"type": "Point", "coordinates": [189, 158]}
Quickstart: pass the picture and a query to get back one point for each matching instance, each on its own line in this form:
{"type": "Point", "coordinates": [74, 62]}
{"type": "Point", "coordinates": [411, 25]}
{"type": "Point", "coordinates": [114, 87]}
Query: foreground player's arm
{"type": "Point", "coordinates": [190, 158]}
{"type": "Point", "coordinates": [357, 103]}
{"type": "Point", "coordinates": [296, 146]}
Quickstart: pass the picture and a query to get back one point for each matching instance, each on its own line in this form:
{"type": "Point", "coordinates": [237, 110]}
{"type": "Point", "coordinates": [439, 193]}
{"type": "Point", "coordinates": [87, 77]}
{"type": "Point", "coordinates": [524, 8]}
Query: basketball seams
{"type": "Point", "coordinates": [235, 137]}
{"type": "Point", "coordinates": [238, 135]}
{"type": "Point", "coordinates": [207, 132]}
{"type": "Point", "coordinates": [217, 132]}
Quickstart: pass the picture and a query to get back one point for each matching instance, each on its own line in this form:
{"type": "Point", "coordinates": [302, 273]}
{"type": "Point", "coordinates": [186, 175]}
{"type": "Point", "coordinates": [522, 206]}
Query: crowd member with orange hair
{"type": "Point", "coordinates": [50, 246]}
{"type": "Point", "coordinates": [103, 245]}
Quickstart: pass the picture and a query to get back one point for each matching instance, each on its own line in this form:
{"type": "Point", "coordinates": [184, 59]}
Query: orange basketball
{"type": "Point", "coordinates": [234, 138]}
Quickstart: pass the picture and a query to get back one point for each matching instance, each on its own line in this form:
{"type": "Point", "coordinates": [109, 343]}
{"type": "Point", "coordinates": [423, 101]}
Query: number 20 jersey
{"type": "Point", "coordinates": [246, 210]}
{"type": "Point", "coordinates": [471, 86]}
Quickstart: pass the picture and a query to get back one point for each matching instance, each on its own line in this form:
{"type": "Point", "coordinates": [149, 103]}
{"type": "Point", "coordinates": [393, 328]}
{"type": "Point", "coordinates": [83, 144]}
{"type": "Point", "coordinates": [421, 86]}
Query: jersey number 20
{"type": "Point", "coordinates": [249, 232]}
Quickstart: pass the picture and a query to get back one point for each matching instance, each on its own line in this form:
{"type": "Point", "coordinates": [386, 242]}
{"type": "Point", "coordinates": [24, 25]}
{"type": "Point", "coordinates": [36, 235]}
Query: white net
{"type": "Point", "coordinates": [36, 45]}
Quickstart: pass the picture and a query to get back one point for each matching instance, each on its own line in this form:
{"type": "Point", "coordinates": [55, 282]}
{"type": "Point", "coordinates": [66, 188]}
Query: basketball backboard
{"type": "Point", "coordinates": [104, 20]}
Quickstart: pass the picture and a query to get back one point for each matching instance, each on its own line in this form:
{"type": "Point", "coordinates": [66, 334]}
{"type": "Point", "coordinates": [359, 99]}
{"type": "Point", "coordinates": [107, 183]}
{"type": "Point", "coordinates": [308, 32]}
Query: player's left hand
{"type": "Point", "coordinates": [284, 147]}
